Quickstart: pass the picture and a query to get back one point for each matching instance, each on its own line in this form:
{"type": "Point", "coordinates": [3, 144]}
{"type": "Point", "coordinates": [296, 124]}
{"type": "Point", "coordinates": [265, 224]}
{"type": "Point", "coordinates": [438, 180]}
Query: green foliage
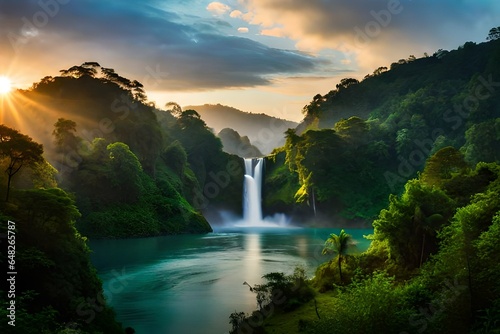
{"type": "Point", "coordinates": [280, 184]}
{"type": "Point", "coordinates": [339, 245]}
{"type": "Point", "coordinates": [119, 199]}
{"type": "Point", "coordinates": [370, 305]}
{"type": "Point", "coordinates": [284, 291]}
{"type": "Point", "coordinates": [483, 142]}
{"type": "Point", "coordinates": [126, 171]}
{"type": "Point", "coordinates": [49, 248]}
{"type": "Point", "coordinates": [19, 150]}
{"type": "Point", "coordinates": [411, 222]}
{"type": "Point", "coordinates": [386, 127]}
{"type": "Point", "coordinates": [64, 134]}
{"type": "Point", "coordinates": [442, 166]}
{"type": "Point", "coordinates": [175, 157]}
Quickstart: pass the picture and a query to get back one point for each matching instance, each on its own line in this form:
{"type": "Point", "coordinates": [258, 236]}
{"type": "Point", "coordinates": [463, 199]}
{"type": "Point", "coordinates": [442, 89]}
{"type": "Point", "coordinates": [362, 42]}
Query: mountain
{"type": "Point", "coordinates": [134, 170]}
{"type": "Point", "coordinates": [233, 143]}
{"type": "Point", "coordinates": [443, 73]}
{"type": "Point", "coordinates": [264, 131]}
{"type": "Point", "coordinates": [365, 139]}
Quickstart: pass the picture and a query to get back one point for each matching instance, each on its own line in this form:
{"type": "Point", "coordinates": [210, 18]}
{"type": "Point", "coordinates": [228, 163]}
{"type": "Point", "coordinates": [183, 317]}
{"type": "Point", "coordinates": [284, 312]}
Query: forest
{"type": "Point", "coordinates": [412, 150]}
{"type": "Point", "coordinates": [362, 141]}
{"type": "Point", "coordinates": [127, 169]}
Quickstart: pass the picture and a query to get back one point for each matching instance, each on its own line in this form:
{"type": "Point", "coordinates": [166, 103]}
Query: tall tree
{"type": "Point", "coordinates": [175, 108]}
{"type": "Point", "coordinates": [443, 165]}
{"type": "Point", "coordinates": [340, 245]}
{"type": "Point", "coordinates": [493, 34]}
{"type": "Point", "coordinates": [64, 134]}
{"type": "Point", "coordinates": [19, 150]}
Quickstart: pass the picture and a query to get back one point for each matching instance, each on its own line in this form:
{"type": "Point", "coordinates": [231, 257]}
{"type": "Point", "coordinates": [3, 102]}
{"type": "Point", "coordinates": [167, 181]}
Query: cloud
{"type": "Point", "coordinates": [273, 32]}
{"type": "Point", "coordinates": [164, 49]}
{"type": "Point", "coordinates": [236, 14]}
{"type": "Point", "coordinates": [243, 30]}
{"type": "Point", "coordinates": [218, 8]}
{"type": "Point", "coordinates": [378, 31]}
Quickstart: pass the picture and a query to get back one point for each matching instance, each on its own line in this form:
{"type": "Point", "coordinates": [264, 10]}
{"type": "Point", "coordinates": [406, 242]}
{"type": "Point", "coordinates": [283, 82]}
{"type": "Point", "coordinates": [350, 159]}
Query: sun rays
{"type": "Point", "coordinates": [5, 85]}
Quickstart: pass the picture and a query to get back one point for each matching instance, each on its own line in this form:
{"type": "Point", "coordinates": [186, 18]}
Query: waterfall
{"type": "Point", "coordinates": [252, 208]}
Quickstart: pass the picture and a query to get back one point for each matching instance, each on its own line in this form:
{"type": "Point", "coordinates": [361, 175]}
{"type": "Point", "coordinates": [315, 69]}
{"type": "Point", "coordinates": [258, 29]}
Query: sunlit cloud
{"type": "Point", "coordinates": [218, 8]}
{"type": "Point", "coordinates": [190, 52]}
{"type": "Point", "coordinates": [377, 32]}
{"type": "Point", "coordinates": [236, 14]}
{"type": "Point", "coordinates": [200, 47]}
{"type": "Point", "coordinates": [274, 32]}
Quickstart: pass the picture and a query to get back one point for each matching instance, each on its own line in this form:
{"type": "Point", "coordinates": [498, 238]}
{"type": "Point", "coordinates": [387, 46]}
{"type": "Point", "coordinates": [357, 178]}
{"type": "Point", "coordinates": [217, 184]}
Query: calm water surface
{"type": "Point", "coordinates": [192, 283]}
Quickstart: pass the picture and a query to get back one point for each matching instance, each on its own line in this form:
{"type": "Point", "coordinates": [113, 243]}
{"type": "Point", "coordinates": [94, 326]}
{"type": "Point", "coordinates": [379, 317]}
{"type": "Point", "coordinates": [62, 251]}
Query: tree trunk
{"type": "Point", "coordinates": [340, 268]}
{"type": "Point", "coordinates": [8, 187]}
{"type": "Point", "coordinates": [422, 252]}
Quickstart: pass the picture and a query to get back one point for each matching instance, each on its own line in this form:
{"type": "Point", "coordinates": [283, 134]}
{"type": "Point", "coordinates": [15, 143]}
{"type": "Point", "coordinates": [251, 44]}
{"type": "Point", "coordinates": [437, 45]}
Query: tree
{"type": "Point", "coordinates": [64, 134]}
{"type": "Point", "coordinates": [340, 245]}
{"type": "Point", "coordinates": [346, 82]}
{"type": "Point", "coordinates": [421, 209]}
{"type": "Point", "coordinates": [20, 150]}
{"type": "Point", "coordinates": [442, 165]}
{"type": "Point", "coordinates": [380, 70]}
{"type": "Point", "coordinates": [494, 34]}
{"type": "Point", "coordinates": [313, 109]}
{"type": "Point", "coordinates": [354, 130]}
{"type": "Point", "coordinates": [236, 319]}
{"type": "Point", "coordinates": [175, 108]}
{"type": "Point", "coordinates": [80, 71]}
{"type": "Point", "coordinates": [125, 170]}
{"type": "Point", "coordinates": [138, 91]}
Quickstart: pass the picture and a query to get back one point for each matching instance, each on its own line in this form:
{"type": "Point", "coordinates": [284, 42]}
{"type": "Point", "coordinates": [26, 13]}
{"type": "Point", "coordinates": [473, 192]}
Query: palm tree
{"type": "Point", "coordinates": [338, 244]}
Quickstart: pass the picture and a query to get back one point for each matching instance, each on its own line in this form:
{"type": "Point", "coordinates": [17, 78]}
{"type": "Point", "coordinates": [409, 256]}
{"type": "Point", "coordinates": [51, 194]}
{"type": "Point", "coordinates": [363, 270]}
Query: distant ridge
{"type": "Point", "coordinates": [264, 131]}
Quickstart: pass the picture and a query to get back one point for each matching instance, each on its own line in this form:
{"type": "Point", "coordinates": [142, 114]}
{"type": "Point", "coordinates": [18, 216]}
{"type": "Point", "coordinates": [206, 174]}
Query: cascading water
{"type": "Point", "coordinates": [252, 209]}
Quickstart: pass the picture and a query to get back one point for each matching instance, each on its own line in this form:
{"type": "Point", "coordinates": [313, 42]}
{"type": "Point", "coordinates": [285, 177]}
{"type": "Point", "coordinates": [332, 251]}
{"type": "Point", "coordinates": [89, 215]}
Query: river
{"type": "Point", "coordinates": [192, 283]}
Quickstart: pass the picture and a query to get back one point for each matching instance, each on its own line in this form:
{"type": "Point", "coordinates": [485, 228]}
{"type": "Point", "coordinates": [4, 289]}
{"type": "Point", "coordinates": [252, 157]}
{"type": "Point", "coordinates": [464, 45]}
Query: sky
{"type": "Point", "coordinates": [261, 56]}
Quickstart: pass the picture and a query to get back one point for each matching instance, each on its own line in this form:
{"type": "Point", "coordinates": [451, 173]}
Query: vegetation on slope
{"type": "Point", "coordinates": [432, 265]}
{"type": "Point", "coordinates": [365, 139]}
{"type": "Point", "coordinates": [56, 289]}
{"type": "Point", "coordinates": [135, 170]}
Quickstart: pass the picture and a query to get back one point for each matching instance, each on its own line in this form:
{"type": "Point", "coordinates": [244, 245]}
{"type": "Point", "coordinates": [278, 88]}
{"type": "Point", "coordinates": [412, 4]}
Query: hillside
{"type": "Point", "coordinates": [364, 140]}
{"type": "Point", "coordinates": [233, 143]}
{"type": "Point", "coordinates": [445, 72]}
{"type": "Point", "coordinates": [135, 170]}
{"type": "Point", "coordinates": [265, 132]}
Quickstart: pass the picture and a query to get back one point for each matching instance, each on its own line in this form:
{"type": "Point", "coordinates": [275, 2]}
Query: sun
{"type": "Point", "coordinates": [5, 85]}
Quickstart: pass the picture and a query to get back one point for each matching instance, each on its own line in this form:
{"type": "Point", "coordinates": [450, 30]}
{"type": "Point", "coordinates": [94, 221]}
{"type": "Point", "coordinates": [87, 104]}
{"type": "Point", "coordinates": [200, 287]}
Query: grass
{"type": "Point", "coordinates": [288, 323]}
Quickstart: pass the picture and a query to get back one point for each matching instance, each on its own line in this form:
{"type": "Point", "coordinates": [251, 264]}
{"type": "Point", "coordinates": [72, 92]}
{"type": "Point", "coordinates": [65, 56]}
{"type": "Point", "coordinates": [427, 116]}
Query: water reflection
{"type": "Point", "coordinates": [192, 283]}
{"type": "Point", "coordinates": [252, 255]}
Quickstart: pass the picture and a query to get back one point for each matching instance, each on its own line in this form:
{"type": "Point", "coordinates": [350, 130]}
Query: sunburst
{"type": "Point", "coordinates": [5, 85]}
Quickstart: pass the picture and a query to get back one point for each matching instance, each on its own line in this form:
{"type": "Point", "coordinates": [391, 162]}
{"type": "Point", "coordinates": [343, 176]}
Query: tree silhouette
{"type": "Point", "coordinates": [313, 109]}
{"type": "Point", "coordinates": [346, 82]}
{"type": "Point", "coordinates": [20, 150]}
{"type": "Point", "coordinates": [494, 34]}
{"type": "Point", "coordinates": [175, 108]}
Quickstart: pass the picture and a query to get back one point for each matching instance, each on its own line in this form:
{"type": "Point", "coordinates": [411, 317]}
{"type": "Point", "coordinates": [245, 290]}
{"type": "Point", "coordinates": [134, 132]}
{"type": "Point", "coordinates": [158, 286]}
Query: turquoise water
{"type": "Point", "coordinates": [192, 283]}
